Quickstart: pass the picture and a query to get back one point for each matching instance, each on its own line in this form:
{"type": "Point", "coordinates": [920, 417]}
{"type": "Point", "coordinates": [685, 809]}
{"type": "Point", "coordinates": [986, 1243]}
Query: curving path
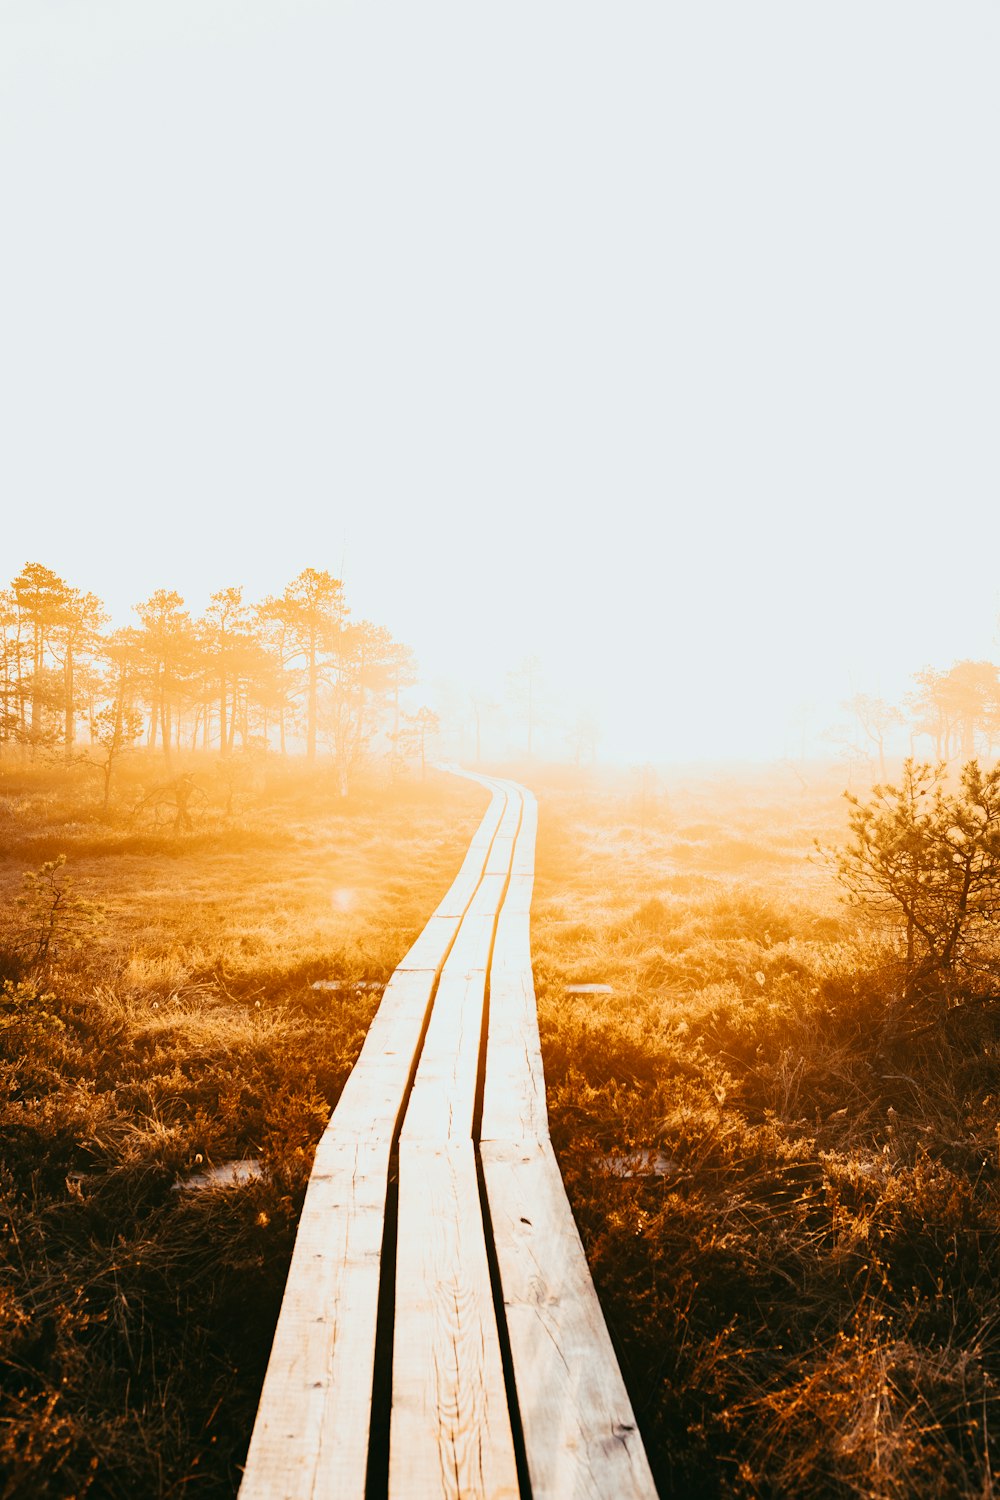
{"type": "Point", "coordinates": [440, 1335]}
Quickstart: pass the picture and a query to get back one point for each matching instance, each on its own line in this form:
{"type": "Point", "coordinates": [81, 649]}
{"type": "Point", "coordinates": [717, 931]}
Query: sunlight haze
{"type": "Point", "coordinates": [658, 340]}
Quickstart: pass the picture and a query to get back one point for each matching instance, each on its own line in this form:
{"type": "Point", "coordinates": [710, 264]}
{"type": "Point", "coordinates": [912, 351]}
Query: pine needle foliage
{"type": "Point", "coordinates": [925, 859]}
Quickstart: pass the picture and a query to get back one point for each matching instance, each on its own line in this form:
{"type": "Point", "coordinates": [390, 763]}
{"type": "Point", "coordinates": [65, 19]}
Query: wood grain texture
{"type": "Point", "coordinates": [579, 1429]}
{"type": "Point", "coordinates": [451, 1433]}
{"type": "Point", "coordinates": [450, 1430]}
{"type": "Point", "coordinates": [372, 1098]}
{"type": "Point", "coordinates": [450, 1427]}
{"type": "Point", "coordinates": [442, 1102]}
{"type": "Point", "coordinates": [373, 1094]}
{"type": "Point", "coordinates": [310, 1438]}
{"type": "Point", "coordinates": [311, 1434]}
{"type": "Point", "coordinates": [432, 943]}
{"type": "Point", "coordinates": [524, 857]}
{"type": "Point", "coordinates": [454, 902]}
{"type": "Point", "coordinates": [514, 1106]}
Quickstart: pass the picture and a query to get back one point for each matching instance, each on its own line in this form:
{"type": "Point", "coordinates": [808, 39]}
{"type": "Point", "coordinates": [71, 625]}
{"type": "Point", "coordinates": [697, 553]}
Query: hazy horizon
{"type": "Point", "coordinates": [660, 343]}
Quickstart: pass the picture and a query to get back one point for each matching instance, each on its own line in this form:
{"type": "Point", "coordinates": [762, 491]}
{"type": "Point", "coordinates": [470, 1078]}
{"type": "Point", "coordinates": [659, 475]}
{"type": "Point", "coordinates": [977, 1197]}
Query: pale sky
{"type": "Point", "coordinates": [661, 339]}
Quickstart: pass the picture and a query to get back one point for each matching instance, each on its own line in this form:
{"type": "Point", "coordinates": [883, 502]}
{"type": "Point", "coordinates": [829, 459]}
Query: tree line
{"type": "Point", "coordinates": [956, 712]}
{"type": "Point", "coordinates": [293, 671]}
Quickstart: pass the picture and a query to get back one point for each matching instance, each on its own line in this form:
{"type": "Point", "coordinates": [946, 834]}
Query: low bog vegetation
{"type": "Point", "coordinates": [779, 1134]}
{"type": "Point", "coordinates": [785, 1173]}
{"type": "Point", "coordinates": [156, 1017]}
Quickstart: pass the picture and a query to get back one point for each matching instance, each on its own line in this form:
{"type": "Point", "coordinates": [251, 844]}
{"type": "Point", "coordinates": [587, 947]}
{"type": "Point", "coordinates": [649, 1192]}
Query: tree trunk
{"type": "Point", "coordinates": [69, 732]}
{"type": "Point", "coordinates": [968, 739]}
{"type": "Point", "coordinates": [36, 684]}
{"type": "Point", "coordinates": [311, 704]}
{"type": "Point", "coordinates": [164, 722]}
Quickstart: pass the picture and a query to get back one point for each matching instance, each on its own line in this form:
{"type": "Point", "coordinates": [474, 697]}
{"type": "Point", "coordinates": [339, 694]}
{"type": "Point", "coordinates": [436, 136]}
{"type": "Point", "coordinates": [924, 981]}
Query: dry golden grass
{"type": "Point", "coordinates": [177, 1030]}
{"type": "Point", "coordinates": [805, 1294]}
{"type": "Point", "coordinates": [800, 1271]}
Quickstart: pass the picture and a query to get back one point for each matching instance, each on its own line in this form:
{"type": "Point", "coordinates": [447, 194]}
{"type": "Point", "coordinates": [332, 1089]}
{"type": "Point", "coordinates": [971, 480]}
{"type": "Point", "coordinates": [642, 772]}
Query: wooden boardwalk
{"type": "Point", "coordinates": [440, 1335]}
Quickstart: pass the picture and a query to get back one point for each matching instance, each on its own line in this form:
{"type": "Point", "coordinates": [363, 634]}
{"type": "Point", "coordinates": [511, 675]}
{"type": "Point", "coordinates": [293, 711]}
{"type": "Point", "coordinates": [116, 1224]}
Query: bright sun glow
{"type": "Point", "coordinates": [479, 484]}
{"type": "Point", "coordinates": [616, 338]}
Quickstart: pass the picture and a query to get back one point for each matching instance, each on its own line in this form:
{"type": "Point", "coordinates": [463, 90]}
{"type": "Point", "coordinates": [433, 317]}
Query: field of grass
{"type": "Point", "coordinates": [175, 1027]}
{"type": "Point", "coordinates": [790, 1203]}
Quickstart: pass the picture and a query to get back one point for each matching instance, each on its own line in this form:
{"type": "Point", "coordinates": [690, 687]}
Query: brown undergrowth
{"type": "Point", "coordinates": [801, 1273]}
{"type": "Point", "coordinates": [171, 1026]}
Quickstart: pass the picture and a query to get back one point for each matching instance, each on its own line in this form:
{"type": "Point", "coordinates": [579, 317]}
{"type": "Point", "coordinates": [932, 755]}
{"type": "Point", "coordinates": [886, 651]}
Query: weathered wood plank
{"type": "Point", "coordinates": [442, 1102]}
{"type": "Point", "coordinates": [451, 1430]}
{"type": "Point", "coordinates": [372, 1097]}
{"type": "Point", "coordinates": [514, 1106]}
{"type": "Point", "coordinates": [524, 855]}
{"type": "Point", "coordinates": [426, 950]}
{"type": "Point", "coordinates": [311, 1434]}
{"type": "Point", "coordinates": [447, 920]}
{"type": "Point", "coordinates": [455, 901]}
{"type": "Point", "coordinates": [370, 1104]}
{"type": "Point", "coordinates": [475, 936]}
{"type": "Point", "coordinates": [312, 1430]}
{"type": "Point", "coordinates": [451, 1433]}
{"type": "Point", "coordinates": [519, 895]}
{"type": "Point", "coordinates": [579, 1429]}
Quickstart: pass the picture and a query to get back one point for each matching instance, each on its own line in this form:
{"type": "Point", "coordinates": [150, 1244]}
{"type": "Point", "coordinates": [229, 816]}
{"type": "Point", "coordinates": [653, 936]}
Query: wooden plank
{"type": "Point", "coordinates": [311, 1434]}
{"type": "Point", "coordinates": [372, 1097]}
{"type": "Point", "coordinates": [475, 937]}
{"type": "Point", "coordinates": [460, 893]}
{"type": "Point", "coordinates": [519, 895]}
{"type": "Point", "coordinates": [442, 1102]}
{"type": "Point", "coordinates": [450, 1435]}
{"type": "Point", "coordinates": [502, 851]}
{"type": "Point", "coordinates": [524, 857]}
{"type": "Point", "coordinates": [514, 1107]}
{"type": "Point", "coordinates": [432, 943]}
{"type": "Point", "coordinates": [579, 1428]}
{"type": "Point", "coordinates": [450, 1427]}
